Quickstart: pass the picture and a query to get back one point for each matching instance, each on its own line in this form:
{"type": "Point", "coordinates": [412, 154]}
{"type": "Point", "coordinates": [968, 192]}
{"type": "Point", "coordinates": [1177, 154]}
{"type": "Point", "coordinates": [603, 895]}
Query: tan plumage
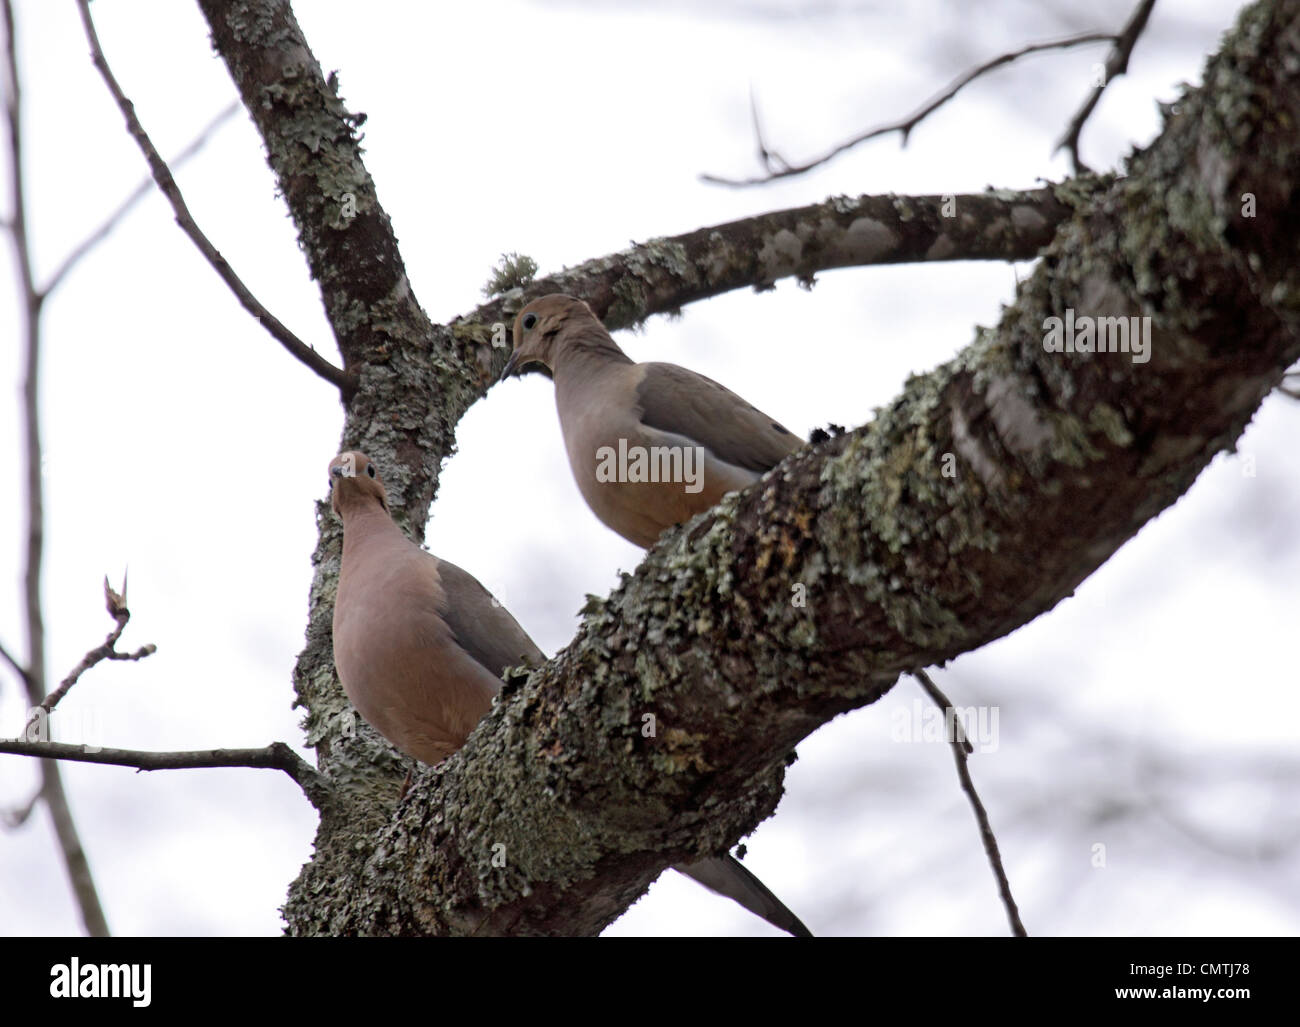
{"type": "Point", "coordinates": [609, 405]}
{"type": "Point", "coordinates": [420, 646]}
{"type": "Point", "coordinates": [418, 643]}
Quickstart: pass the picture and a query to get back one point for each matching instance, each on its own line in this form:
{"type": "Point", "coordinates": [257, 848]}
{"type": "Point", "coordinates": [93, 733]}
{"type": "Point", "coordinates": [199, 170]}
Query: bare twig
{"type": "Point", "coordinates": [905, 125]}
{"type": "Point", "coordinates": [768, 159]}
{"type": "Point", "coordinates": [276, 756]}
{"type": "Point", "coordinates": [117, 609]}
{"type": "Point", "coordinates": [56, 800]}
{"type": "Point", "coordinates": [1116, 64]}
{"type": "Point", "coordinates": [14, 665]}
{"type": "Point", "coordinates": [140, 192]}
{"type": "Point", "coordinates": [960, 747]}
{"type": "Point", "coordinates": [1264, 850]}
{"type": "Point", "coordinates": [163, 176]}
{"type": "Point", "coordinates": [11, 819]}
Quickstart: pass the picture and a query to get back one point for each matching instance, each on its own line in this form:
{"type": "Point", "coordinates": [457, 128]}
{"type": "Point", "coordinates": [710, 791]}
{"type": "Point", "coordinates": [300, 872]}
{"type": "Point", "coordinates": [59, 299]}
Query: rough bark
{"type": "Point", "coordinates": [559, 811]}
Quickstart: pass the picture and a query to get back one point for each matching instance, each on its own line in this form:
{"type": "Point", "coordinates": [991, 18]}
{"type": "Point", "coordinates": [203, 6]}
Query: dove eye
{"type": "Point", "coordinates": [529, 322]}
{"type": "Point", "coordinates": [370, 470]}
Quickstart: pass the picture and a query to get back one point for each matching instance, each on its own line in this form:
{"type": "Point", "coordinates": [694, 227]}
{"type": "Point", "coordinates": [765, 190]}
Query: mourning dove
{"type": "Point", "coordinates": [420, 646]}
{"type": "Point", "coordinates": [651, 445]}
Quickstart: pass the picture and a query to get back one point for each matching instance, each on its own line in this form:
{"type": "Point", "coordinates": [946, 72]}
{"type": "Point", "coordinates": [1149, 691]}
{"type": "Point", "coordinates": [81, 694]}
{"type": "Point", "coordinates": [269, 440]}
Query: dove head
{"type": "Point", "coordinates": [547, 327]}
{"type": "Point", "coordinates": [354, 479]}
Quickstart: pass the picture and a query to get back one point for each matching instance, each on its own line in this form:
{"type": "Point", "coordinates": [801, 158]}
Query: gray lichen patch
{"type": "Point", "coordinates": [781, 255]}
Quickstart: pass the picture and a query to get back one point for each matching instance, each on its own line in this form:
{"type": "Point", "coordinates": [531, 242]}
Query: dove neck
{"type": "Point", "coordinates": [586, 352]}
{"type": "Point", "coordinates": [364, 519]}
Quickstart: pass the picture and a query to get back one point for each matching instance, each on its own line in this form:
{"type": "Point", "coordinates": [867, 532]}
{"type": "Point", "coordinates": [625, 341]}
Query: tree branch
{"type": "Point", "coordinates": [313, 147]}
{"type": "Point", "coordinates": [1116, 64]}
{"type": "Point", "coordinates": [12, 819]}
{"type": "Point", "coordinates": [975, 502]}
{"type": "Point", "coordinates": [126, 206]}
{"type": "Point", "coordinates": [662, 275]}
{"type": "Point", "coordinates": [167, 184]}
{"type": "Point", "coordinates": [961, 749]}
{"type": "Point", "coordinates": [777, 167]}
{"type": "Point", "coordinates": [1058, 460]}
{"type": "Point", "coordinates": [117, 609]}
{"type": "Point", "coordinates": [276, 756]}
{"type": "Point", "coordinates": [14, 665]}
{"type": "Point", "coordinates": [56, 801]}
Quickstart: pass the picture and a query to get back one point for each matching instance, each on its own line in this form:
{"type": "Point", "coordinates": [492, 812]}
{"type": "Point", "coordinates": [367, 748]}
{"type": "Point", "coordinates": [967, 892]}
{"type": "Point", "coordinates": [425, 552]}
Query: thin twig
{"type": "Point", "coordinates": [905, 125]}
{"type": "Point", "coordinates": [276, 756]}
{"type": "Point", "coordinates": [14, 665]}
{"type": "Point", "coordinates": [56, 800]}
{"type": "Point", "coordinates": [11, 819]}
{"type": "Point", "coordinates": [766, 156]}
{"type": "Point", "coordinates": [117, 609]}
{"type": "Point", "coordinates": [141, 191]}
{"type": "Point", "coordinates": [1263, 851]}
{"type": "Point", "coordinates": [960, 747]}
{"type": "Point", "coordinates": [1116, 64]}
{"type": "Point", "coordinates": [163, 176]}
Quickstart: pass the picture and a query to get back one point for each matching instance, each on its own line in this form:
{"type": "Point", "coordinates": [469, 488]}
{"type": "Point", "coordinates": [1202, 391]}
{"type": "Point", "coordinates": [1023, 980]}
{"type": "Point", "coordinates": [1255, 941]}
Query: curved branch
{"type": "Point", "coordinates": [15, 666]}
{"type": "Point", "coordinates": [903, 126]}
{"type": "Point", "coordinates": [662, 275]}
{"type": "Point", "coordinates": [142, 190]}
{"type": "Point", "coordinates": [1116, 65]}
{"type": "Point", "coordinates": [106, 650]}
{"type": "Point", "coordinates": [167, 184]}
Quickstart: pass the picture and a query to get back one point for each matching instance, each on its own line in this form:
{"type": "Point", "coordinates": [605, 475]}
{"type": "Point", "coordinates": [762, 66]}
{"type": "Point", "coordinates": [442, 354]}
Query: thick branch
{"type": "Point", "coordinates": [1057, 461]}
{"type": "Point", "coordinates": [977, 501]}
{"type": "Point", "coordinates": [663, 275]}
{"type": "Point", "coordinates": [314, 148]}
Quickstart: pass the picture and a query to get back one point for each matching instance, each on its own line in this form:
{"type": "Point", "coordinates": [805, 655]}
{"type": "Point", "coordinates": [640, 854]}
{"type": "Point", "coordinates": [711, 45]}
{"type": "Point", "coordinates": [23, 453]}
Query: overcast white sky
{"type": "Point", "coordinates": [1148, 714]}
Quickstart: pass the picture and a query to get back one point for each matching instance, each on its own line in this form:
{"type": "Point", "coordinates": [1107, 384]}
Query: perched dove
{"type": "Point", "coordinates": [651, 445]}
{"type": "Point", "coordinates": [420, 646]}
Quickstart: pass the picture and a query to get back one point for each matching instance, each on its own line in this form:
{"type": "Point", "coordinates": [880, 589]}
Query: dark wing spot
{"type": "Point", "coordinates": [781, 428]}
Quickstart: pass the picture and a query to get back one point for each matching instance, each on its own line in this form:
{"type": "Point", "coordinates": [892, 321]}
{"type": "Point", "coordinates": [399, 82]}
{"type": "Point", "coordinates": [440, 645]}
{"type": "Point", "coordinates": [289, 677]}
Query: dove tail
{"type": "Point", "coordinates": [728, 877]}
